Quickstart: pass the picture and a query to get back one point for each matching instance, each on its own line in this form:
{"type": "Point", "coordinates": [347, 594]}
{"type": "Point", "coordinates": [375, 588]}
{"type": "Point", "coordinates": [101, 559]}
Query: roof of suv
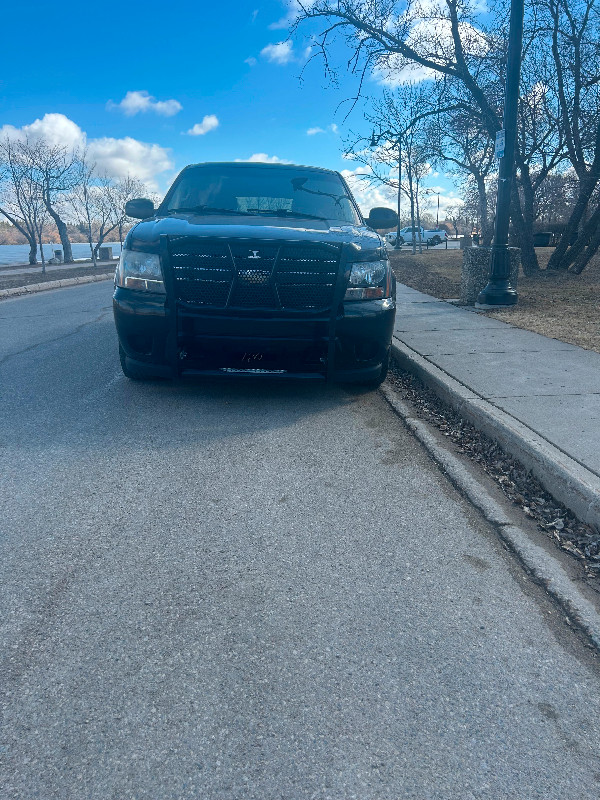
{"type": "Point", "coordinates": [264, 164]}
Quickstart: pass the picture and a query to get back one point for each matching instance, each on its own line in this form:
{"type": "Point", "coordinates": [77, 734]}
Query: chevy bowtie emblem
{"type": "Point", "coordinates": [254, 277]}
{"type": "Point", "coordinates": [254, 254]}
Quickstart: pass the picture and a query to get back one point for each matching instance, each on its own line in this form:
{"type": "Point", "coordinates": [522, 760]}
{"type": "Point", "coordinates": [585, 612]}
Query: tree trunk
{"type": "Point", "coordinates": [64, 240]}
{"type": "Point", "coordinates": [569, 237]}
{"type": "Point", "coordinates": [42, 252]}
{"type": "Point", "coordinates": [32, 251]}
{"type": "Point", "coordinates": [586, 256]}
{"type": "Point", "coordinates": [587, 244]}
{"type": "Point", "coordinates": [487, 232]}
{"type": "Point", "coordinates": [418, 220]}
{"type": "Point", "coordinates": [522, 219]}
{"type": "Point", "coordinates": [412, 212]}
{"type": "Point", "coordinates": [62, 232]}
{"type": "Point", "coordinates": [584, 239]}
{"type": "Point", "coordinates": [91, 244]}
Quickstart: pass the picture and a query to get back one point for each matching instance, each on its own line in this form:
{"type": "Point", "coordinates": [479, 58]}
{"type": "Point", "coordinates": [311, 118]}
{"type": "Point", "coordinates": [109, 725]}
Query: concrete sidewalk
{"type": "Point", "coordinates": [540, 398]}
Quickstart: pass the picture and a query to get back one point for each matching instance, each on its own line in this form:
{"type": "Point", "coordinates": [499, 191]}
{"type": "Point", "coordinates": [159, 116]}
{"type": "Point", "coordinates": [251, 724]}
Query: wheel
{"type": "Point", "coordinates": [133, 373]}
{"type": "Point", "coordinates": [436, 240]}
{"type": "Point", "coordinates": [375, 383]}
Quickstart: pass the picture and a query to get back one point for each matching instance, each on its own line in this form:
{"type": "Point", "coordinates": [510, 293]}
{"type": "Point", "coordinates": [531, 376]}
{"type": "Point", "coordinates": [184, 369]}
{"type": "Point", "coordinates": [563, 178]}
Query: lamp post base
{"type": "Point", "coordinates": [497, 294]}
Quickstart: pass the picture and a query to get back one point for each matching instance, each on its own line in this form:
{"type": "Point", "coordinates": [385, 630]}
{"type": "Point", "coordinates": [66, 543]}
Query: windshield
{"type": "Point", "coordinates": [244, 189]}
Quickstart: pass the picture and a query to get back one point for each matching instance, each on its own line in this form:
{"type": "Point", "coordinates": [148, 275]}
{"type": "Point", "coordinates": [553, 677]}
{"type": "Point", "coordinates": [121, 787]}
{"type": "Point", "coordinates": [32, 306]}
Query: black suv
{"type": "Point", "coordinates": [255, 269]}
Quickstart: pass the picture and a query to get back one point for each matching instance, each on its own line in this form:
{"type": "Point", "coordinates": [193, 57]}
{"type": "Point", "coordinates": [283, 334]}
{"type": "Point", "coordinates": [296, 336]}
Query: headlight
{"type": "Point", "coordinates": [140, 271]}
{"type": "Point", "coordinates": [368, 281]}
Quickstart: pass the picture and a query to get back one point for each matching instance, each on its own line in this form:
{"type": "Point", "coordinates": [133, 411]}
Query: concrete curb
{"type": "Point", "coordinates": [544, 567]}
{"type": "Point", "coordinates": [32, 288]}
{"type": "Point", "coordinates": [564, 478]}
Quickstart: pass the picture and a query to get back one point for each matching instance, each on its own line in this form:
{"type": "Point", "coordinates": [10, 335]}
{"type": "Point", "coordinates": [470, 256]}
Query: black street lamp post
{"type": "Point", "coordinates": [499, 291]}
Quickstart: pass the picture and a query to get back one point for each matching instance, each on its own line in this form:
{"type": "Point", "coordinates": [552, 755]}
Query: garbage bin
{"type": "Point", "coordinates": [542, 239]}
{"type": "Point", "coordinates": [476, 239]}
{"type": "Point", "coordinates": [105, 254]}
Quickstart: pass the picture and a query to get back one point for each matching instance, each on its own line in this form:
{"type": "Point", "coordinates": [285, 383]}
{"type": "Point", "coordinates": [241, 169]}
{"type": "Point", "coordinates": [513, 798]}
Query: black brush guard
{"type": "Point", "coordinates": [256, 341]}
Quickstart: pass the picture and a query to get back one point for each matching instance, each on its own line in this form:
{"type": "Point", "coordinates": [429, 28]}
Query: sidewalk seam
{"type": "Point", "coordinates": [571, 483]}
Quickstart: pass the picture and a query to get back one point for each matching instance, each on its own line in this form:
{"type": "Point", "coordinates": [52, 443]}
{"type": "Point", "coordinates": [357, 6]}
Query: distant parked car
{"type": "Point", "coordinates": [390, 238]}
{"type": "Point", "coordinates": [430, 237]}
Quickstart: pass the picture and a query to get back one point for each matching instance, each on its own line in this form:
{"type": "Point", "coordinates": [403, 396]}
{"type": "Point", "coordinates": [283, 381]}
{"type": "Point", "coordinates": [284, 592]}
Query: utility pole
{"type": "Point", "coordinates": [499, 291]}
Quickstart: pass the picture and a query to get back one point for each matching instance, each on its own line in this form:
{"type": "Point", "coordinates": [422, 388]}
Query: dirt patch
{"type": "Point", "coordinates": [559, 305]}
{"type": "Point", "coordinates": [9, 280]}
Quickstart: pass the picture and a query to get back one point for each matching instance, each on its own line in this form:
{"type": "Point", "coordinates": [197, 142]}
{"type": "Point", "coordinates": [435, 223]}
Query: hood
{"type": "Point", "coordinates": [146, 233]}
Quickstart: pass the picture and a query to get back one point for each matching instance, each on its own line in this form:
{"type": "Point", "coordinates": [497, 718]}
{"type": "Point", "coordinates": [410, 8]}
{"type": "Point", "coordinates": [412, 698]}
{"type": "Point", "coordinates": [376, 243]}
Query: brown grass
{"type": "Point", "coordinates": [559, 305]}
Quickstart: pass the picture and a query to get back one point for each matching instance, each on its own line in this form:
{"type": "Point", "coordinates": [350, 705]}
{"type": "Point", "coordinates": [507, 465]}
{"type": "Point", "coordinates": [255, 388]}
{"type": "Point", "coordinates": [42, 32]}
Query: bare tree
{"type": "Point", "coordinates": [435, 40]}
{"type": "Point", "coordinates": [455, 215]}
{"type": "Point", "coordinates": [118, 194]}
{"type": "Point", "coordinates": [397, 152]}
{"type": "Point", "coordinates": [21, 200]}
{"type": "Point", "coordinates": [459, 142]}
{"type": "Point", "coordinates": [449, 43]}
{"type": "Point", "coordinates": [574, 28]}
{"type": "Point", "coordinates": [94, 204]}
{"type": "Point", "coordinates": [56, 171]}
{"type": "Point", "coordinates": [98, 204]}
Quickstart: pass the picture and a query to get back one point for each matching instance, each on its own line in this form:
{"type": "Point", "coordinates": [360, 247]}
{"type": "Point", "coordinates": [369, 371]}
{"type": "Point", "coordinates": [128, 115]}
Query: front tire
{"type": "Point", "coordinates": [134, 373]}
{"type": "Point", "coordinates": [375, 383]}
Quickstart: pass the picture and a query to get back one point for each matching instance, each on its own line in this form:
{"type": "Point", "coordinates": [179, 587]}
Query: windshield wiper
{"type": "Point", "coordinates": [284, 212]}
{"type": "Point", "coordinates": [206, 210]}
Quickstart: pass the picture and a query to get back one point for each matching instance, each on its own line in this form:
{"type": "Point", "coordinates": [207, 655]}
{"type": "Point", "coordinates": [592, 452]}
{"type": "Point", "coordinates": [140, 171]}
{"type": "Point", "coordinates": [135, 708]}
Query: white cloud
{"type": "Point", "coordinates": [141, 102]}
{"type": "Point", "coordinates": [389, 73]}
{"type": "Point", "coordinates": [366, 195]}
{"type": "Point", "coordinates": [265, 159]}
{"type": "Point", "coordinates": [56, 129]}
{"type": "Point", "coordinates": [251, 61]}
{"type": "Point", "coordinates": [313, 131]}
{"type": "Point", "coordinates": [370, 196]}
{"type": "Point", "coordinates": [209, 123]}
{"type": "Point", "coordinates": [121, 157]}
{"type": "Point", "coordinates": [293, 7]}
{"type": "Point", "coordinates": [286, 20]}
{"type": "Point", "coordinates": [116, 158]}
{"type": "Point", "coordinates": [281, 53]}
{"type": "Point", "coordinates": [391, 70]}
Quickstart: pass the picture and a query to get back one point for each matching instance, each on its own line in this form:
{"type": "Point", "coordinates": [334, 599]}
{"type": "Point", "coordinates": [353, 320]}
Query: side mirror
{"type": "Point", "coordinates": [382, 218]}
{"type": "Point", "coordinates": [139, 208]}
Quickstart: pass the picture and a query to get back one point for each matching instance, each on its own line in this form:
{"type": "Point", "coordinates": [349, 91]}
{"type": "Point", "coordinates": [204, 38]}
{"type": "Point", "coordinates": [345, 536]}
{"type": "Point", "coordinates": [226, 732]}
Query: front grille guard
{"type": "Point", "coordinates": [341, 282]}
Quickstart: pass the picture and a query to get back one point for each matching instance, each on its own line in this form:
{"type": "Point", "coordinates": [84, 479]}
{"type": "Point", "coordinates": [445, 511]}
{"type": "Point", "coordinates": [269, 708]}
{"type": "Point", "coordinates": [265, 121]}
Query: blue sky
{"type": "Point", "coordinates": [131, 81]}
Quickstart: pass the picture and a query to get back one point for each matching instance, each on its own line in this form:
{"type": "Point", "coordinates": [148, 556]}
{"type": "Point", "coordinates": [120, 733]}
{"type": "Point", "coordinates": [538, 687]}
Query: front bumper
{"type": "Point", "coordinates": [177, 340]}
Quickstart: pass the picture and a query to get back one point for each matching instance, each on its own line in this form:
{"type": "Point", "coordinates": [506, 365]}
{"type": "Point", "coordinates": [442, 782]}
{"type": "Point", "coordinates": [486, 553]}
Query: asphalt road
{"type": "Point", "coordinates": [241, 590]}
